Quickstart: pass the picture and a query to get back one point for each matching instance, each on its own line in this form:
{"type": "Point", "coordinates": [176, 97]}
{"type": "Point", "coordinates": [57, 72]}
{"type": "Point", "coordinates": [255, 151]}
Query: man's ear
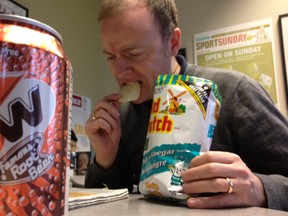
{"type": "Point", "coordinates": [175, 41]}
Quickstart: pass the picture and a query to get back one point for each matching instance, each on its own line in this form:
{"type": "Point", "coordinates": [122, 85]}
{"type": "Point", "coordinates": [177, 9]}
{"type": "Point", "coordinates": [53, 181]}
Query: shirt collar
{"type": "Point", "coordinates": [182, 62]}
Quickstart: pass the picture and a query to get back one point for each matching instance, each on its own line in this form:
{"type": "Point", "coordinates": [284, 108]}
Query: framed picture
{"type": "Point", "coordinates": [12, 7]}
{"type": "Point", "coordinates": [283, 23]}
{"type": "Point", "coordinates": [82, 162]}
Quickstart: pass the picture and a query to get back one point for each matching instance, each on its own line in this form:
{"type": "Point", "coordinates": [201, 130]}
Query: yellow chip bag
{"type": "Point", "coordinates": [183, 118]}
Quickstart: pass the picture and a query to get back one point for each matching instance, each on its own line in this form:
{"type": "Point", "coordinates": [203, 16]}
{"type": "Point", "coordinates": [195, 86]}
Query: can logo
{"type": "Point", "coordinates": [24, 161]}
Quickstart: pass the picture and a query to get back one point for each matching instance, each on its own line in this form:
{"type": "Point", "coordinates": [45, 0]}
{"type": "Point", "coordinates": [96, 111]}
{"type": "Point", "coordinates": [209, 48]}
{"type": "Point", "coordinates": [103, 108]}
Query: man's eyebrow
{"type": "Point", "coordinates": [135, 47]}
{"type": "Point", "coordinates": [110, 53]}
{"type": "Point", "coordinates": [126, 49]}
{"type": "Point", "coordinates": [106, 52]}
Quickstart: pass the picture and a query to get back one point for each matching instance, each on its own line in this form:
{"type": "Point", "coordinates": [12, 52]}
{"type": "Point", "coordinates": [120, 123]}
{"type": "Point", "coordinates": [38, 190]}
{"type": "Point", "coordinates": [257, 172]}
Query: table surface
{"type": "Point", "coordinates": [137, 205]}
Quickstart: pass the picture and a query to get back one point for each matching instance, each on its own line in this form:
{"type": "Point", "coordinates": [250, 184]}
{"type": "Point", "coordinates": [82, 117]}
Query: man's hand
{"type": "Point", "coordinates": [104, 130]}
{"type": "Point", "coordinates": [208, 173]}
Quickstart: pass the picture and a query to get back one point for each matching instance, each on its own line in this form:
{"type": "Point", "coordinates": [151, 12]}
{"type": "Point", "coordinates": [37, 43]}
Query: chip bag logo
{"type": "Point", "coordinates": [24, 118]}
{"type": "Point", "coordinates": [159, 123]}
{"type": "Point", "coordinates": [174, 106]}
{"type": "Point", "coordinates": [199, 93]}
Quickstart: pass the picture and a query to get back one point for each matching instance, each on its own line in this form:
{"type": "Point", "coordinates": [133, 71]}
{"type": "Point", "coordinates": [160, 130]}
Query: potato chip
{"type": "Point", "coordinates": [130, 92]}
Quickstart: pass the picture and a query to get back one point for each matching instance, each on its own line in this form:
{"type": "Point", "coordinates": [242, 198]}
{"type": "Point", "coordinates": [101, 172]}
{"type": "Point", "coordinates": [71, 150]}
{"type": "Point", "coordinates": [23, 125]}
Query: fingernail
{"type": "Point", "coordinates": [191, 202]}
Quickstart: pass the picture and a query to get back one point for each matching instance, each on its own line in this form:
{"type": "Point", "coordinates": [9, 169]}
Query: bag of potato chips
{"type": "Point", "coordinates": [183, 117]}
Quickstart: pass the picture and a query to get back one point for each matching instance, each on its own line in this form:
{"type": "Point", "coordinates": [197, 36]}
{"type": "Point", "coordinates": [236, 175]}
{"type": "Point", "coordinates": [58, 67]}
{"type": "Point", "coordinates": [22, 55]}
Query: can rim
{"type": "Point", "coordinates": [32, 22]}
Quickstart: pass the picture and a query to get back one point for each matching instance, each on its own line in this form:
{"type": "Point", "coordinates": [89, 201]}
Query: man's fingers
{"type": "Point", "coordinates": [216, 201]}
{"type": "Point", "coordinates": [105, 118]}
{"type": "Point", "coordinates": [214, 157]}
{"type": "Point", "coordinates": [215, 185]}
{"type": "Point", "coordinates": [208, 171]}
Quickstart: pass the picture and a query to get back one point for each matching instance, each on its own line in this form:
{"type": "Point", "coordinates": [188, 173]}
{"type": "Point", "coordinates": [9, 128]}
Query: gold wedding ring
{"type": "Point", "coordinates": [93, 117]}
{"type": "Point", "coordinates": [230, 185]}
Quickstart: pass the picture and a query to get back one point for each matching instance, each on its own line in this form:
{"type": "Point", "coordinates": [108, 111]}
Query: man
{"type": "Point", "coordinates": [247, 164]}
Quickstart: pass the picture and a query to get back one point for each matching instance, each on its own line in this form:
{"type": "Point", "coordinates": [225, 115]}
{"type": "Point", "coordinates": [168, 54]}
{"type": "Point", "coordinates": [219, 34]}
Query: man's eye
{"type": "Point", "coordinates": [135, 54]}
{"type": "Point", "coordinates": [110, 58]}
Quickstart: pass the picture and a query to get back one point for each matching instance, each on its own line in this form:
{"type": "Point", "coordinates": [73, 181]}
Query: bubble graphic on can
{"type": "Point", "coordinates": [35, 92]}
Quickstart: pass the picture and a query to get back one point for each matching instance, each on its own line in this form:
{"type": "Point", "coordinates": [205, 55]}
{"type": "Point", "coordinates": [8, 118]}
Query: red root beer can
{"type": "Point", "coordinates": [35, 104]}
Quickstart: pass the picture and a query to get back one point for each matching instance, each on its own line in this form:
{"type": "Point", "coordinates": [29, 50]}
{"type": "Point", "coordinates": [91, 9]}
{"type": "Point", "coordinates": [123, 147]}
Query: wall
{"type": "Point", "coordinates": [77, 23]}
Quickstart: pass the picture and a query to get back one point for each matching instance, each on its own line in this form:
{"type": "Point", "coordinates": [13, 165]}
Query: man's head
{"type": "Point", "coordinates": [140, 39]}
{"type": "Point", "coordinates": [164, 12]}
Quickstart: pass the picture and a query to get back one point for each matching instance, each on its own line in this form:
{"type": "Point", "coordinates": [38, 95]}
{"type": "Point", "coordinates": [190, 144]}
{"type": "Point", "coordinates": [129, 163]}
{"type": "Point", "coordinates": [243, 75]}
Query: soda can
{"type": "Point", "coordinates": [35, 107]}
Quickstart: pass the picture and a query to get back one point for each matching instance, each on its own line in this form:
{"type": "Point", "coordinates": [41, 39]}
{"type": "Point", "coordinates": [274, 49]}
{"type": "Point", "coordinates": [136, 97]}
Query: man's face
{"type": "Point", "coordinates": [83, 160]}
{"type": "Point", "coordinates": [135, 50]}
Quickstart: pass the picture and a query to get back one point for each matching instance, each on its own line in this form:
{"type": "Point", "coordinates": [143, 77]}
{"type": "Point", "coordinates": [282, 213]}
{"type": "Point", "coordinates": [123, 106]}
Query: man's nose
{"type": "Point", "coordinates": [121, 68]}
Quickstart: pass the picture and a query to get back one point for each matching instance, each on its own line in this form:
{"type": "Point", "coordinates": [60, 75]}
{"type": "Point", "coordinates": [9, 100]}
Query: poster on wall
{"type": "Point", "coordinates": [247, 48]}
{"type": "Point", "coordinates": [81, 109]}
{"type": "Point", "coordinates": [12, 7]}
